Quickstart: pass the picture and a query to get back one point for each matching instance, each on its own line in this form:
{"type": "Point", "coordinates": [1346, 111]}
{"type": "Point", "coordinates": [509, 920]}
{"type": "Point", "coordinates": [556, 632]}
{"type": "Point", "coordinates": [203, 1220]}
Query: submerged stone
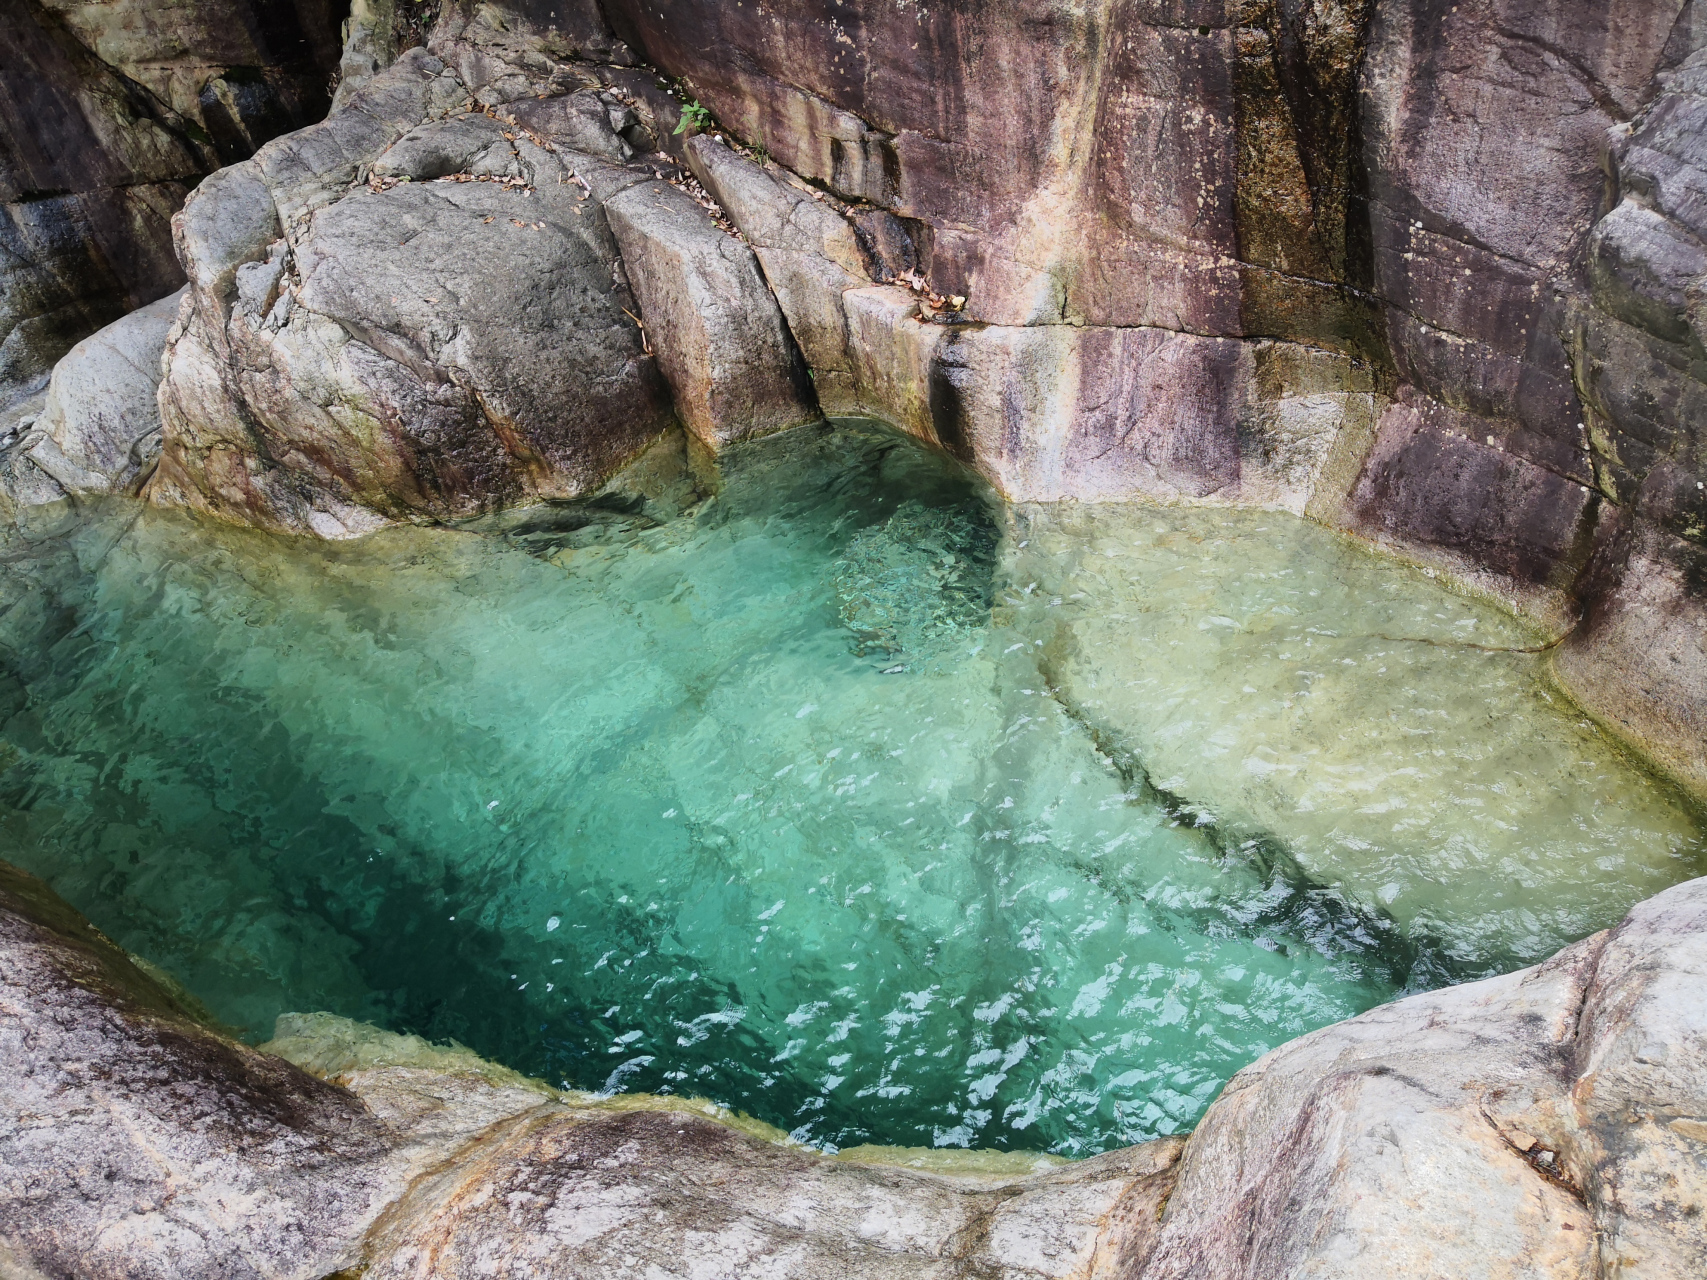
{"type": "Point", "coordinates": [612, 794]}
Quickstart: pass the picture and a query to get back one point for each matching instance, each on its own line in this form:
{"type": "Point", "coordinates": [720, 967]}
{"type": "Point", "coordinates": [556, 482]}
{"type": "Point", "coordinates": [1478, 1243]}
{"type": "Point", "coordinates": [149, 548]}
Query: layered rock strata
{"type": "Point", "coordinates": [1551, 1124]}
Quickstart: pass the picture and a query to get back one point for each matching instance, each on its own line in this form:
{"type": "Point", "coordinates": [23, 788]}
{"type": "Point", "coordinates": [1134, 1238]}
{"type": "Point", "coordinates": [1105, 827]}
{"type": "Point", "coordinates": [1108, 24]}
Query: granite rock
{"type": "Point", "coordinates": [137, 1142]}
{"type": "Point", "coordinates": [719, 335]}
{"type": "Point", "coordinates": [1550, 1124]}
{"type": "Point", "coordinates": [326, 380]}
{"type": "Point", "coordinates": [1543, 1124]}
{"type": "Point", "coordinates": [100, 424]}
{"type": "Point", "coordinates": [109, 114]}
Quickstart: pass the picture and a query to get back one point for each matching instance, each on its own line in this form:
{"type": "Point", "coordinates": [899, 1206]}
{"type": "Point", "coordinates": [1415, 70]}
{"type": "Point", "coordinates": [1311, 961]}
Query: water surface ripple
{"type": "Point", "coordinates": [843, 797]}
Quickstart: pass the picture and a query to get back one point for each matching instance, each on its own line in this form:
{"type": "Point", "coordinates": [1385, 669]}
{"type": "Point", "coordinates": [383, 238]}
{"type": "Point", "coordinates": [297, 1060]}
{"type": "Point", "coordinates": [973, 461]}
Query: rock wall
{"type": "Point", "coordinates": [1548, 1125]}
{"type": "Point", "coordinates": [1427, 272]}
{"type": "Point", "coordinates": [1473, 223]}
{"type": "Point", "coordinates": [109, 114]}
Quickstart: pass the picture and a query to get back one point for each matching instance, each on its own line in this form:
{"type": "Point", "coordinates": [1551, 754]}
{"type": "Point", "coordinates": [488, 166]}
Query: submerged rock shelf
{"type": "Point", "coordinates": [843, 795]}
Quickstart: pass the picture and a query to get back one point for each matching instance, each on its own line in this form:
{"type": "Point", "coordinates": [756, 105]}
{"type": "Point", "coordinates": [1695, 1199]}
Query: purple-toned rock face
{"type": "Point", "coordinates": [1492, 210]}
{"type": "Point", "coordinates": [1431, 272]}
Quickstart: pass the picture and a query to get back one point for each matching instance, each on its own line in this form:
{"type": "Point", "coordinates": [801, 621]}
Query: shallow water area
{"type": "Point", "coordinates": [843, 797]}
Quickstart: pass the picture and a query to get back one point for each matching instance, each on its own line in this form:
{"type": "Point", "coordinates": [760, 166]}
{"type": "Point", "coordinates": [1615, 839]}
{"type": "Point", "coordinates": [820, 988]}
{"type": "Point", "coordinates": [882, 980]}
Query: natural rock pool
{"type": "Point", "coordinates": [844, 797]}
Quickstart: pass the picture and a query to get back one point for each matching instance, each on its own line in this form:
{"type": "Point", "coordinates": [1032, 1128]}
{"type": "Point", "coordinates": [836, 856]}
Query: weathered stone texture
{"type": "Point", "coordinates": [135, 1142]}
{"type": "Point", "coordinates": [1545, 1125]}
{"type": "Point", "coordinates": [1429, 272]}
{"type": "Point", "coordinates": [419, 349]}
{"type": "Point", "coordinates": [1493, 212]}
{"type": "Point", "coordinates": [100, 425]}
{"type": "Point", "coordinates": [1056, 163]}
{"type": "Point", "coordinates": [720, 337]}
{"type": "Point", "coordinates": [109, 113]}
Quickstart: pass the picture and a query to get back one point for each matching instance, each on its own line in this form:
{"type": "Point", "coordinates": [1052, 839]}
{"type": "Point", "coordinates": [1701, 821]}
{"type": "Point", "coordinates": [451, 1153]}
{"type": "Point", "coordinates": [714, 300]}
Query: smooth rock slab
{"type": "Point", "coordinates": [1546, 1125]}
{"type": "Point", "coordinates": [717, 331]}
{"type": "Point", "coordinates": [101, 425]}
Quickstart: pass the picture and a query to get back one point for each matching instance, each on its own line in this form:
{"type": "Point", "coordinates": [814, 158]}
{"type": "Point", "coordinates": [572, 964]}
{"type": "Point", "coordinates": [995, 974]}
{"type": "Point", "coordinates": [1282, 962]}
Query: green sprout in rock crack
{"type": "Point", "coordinates": [694, 114]}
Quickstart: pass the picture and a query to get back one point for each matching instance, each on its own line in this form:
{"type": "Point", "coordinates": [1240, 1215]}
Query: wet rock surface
{"type": "Point", "coordinates": [136, 1142]}
{"type": "Point", "coordinates": [1551, 1123]}
{"type": "Point", "coordinates": [1428, 273]}
{"type": "Point", "coordinates": [1486, 213]}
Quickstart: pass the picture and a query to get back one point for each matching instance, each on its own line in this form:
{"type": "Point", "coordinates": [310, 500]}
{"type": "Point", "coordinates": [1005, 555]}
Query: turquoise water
{"type": "Point", "coordinates": [841, 796]}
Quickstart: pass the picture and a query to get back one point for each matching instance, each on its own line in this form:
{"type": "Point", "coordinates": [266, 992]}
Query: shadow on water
{"type": "Point", "coordinates": [553, 805]}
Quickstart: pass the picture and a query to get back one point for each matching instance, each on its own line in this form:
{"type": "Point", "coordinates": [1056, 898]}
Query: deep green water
{"type": "Point", "coordinates": [843, 797]}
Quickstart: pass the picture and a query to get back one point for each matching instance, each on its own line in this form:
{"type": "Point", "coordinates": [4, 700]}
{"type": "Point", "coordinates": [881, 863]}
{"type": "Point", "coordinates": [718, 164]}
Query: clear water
{"type": "Point", "coordinates": [842, 797]}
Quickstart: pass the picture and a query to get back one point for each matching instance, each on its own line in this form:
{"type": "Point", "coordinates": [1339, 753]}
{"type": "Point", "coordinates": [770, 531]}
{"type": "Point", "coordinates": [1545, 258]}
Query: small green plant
{"type": "Point", "coordinates": [695, 115]}
{"type": "Point", "coordinates": [760, 154]}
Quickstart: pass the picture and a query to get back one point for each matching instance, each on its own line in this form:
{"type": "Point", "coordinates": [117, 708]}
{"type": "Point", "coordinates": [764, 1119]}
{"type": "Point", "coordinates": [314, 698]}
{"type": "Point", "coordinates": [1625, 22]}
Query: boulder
{"type": "Point", "coordinates": [717, 331]}
{"type": "Point", "coordinates": [423, 309]}
{"type": "Point", "coordinates": [100, 426]}
{"type": "Point", "coordinates": [1543, 1124]}
{"type": "Point", "coordinates": [810, 253]}
{"type": "Point", "coordinates": [454, 335]}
